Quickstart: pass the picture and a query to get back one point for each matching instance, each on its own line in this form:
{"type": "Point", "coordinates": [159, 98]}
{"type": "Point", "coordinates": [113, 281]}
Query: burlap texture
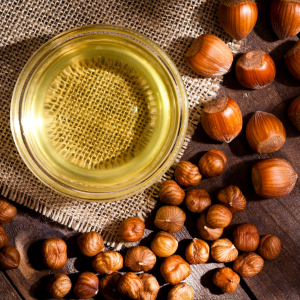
{"type": "Point", "coordinates": [26, 25]}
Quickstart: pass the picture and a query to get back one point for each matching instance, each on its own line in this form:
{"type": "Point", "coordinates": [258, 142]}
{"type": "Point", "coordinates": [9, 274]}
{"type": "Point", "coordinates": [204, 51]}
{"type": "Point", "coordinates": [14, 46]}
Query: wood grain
{"type": "Point", "coordinates": [6, 289]}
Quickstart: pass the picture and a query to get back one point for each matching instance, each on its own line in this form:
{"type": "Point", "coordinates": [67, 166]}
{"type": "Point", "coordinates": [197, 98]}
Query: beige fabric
{"type": "Point", "coordinates": [26, 25]}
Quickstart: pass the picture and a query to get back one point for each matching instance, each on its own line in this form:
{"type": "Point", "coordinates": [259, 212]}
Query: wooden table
{"type": "Point", "coordinates": [279, 279]}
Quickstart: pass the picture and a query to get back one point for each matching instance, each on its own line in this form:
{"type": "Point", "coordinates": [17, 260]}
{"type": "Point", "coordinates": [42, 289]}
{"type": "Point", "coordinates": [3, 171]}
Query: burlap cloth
{"type": "Point", "coordinates": [26, 25]}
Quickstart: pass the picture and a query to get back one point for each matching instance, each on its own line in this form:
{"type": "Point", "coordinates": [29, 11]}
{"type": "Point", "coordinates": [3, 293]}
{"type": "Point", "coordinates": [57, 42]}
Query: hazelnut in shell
{"type": "Point", "coordinates": [197, 200]}
{"type": "Point", "coordinates": [3, 237]}
{"type": "Point", "coordinates": [54, 253]}
{"type": "Point", "coordinates": [222, 119]}
{"type": "Point", "coordinates": [218, 216]}
{"type": "Point", "coordinates": [130, 285]}
{"type": "Point", "coordinates": [170, 218]}
{"type": "Point", "coordinates": [232, 197]}
{"type": "Point", "coordinates": [294, 111]}
{"type": "Point", "coordinates": [87, 285]}
{"type": "Point", "coordinates": [246, 237]}
{"type": "Point", "coordinates": [90, 243]}
{"type": "Point", "coordinates": [131, 230]}
{"type": "Point", "coordinates": [171, 193]}
{"type": "Point", "coordinates": [223, 250]}
{"type": "Point", "coordinates": [292, 58]}
{"type": "Point", "coordinates": [175, 269]}
{"type": "Point", "coordinates": [139, 258]}
{"type": "Point", "coordinates": [181, 291]}
{"type": "Point", "coordinates": [248, 264]}
{"type": "Point", "coordinates": [59, 286]}
{"type": "Point", "coordinates": [150, 287]}
{"type": "Point", "coordinates": [164, 244]}
{"type": "Point", "coordinates": [206, 231]}
{"type": "Point", "coordinates": [197, 252]}
{"type": "Point", "coordinates": [269, 246]}
{"type": "Point", "coordinates": [7, 211]}
{"type": "Point", "coordinates": [227, 280]}
{"type": "Point", "coordinates": [187, 174]}
{"type": "Point", "coordinates": [9, 258]}
{"type": "Point", "coordinates": [108, 287]}
{"type": "Point", "coordinates": [107, 262]}
{"type": "Point", "coordinates": [212, 163]}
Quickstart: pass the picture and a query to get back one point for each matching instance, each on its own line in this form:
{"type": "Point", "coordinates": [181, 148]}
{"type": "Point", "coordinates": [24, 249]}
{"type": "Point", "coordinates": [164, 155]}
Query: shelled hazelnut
{"type": "Point", "coordinates": [212, 163]}
{"type": "Point", "coordinates": [181, 291]}
{"type": "Point", "coordinates": [294, 111]}
{"type": "Point", "coordinates": [248, 264]}
{"type": "Point", "coordinates": [3, 237]}
{"type": "Point", "coordinates": [187, 174]}
{"type": "Point", "coordinates": [54, 253]}
{"type": "Point", "coordinates": [59, 286]}
{"type": "Point", "coordinates": [9, 258]}
{"type": "Point", "coordinates": [87, 285]}
{"type": "Point", "coordinates": [139, 258]}
{"type": "Point", "coordinates": [206, 231]}
{"type": "Point", "coordinates": [197, 252]}
{"type": "Point", "coordinates": [90, 243]}
{"type": "Point", "coordinates": [197, 200]}
{"type": "Point", "coordinates": [269, 246]}
{"type": "Point", "coordinates": [164, 244]}
{"type": "Point", "coordinates": [223, 250]}
{"type": "Point", "coordinates": [150, 287]}
{"type": "Point", "coordinates": [226, 280]}
{"type": "Point", "coordinates": [218, 216]}
{"type": "Point", "coordinates": [171, 193]}
{"type": "Point", "coordinates": [108, 286]}
{"type": "Point", "coordinates": [7, 211]}
{"type": "Point", "coordinates": [246, 237]}
{"type": "Point", "coordinates": [131, 230]}
{"type": "Point", "coordinates": [107, 262]}
{"type": "Point", "coordinates": [130, 285]}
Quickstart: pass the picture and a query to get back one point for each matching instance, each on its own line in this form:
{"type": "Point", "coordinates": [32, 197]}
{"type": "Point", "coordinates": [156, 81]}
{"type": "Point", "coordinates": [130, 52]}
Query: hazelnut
{"type": "Point", "coordinates": [248, 264]}
{"type": "Point", "coordinates": [232, 198]}
{"type": "Point", "coordinates": [59, 286]}
{"type": "Point", "coordinates": [181, 291]}
{"type": "Point", "coordinates": [90, 243]}
{"type": "Point", "coordinates": [246, 237]}
{"type": "Point", "coordinates": [175, 269]}
{"type": "Point", "coordinates": [164, 244]}
{"type": "Point", "coordinates": [130, 285]}
{"type": "Point", "coordinates": [292, 62]}
{"type": "Point", "coordinates": [3, 237]}
{"type": "Point", "coordinates": [108, 286]}
{"type": "Point", "coordinates": [54, 252]}
{"type": "Point", "coordinates": [87, 285]}
{"type": "Point", "coordinates": [107, 262]}
{"type": "Point", "coordinates": [218, 216]}
{"type": "Point", "coordinates": [197, 252]}
{"type": "Point", "coordinates": [197, 200]}
{"type": "Point", "coordinates": [131, 230]}
{"type": "Point", "coordinates": [150, 287]}
{"type": "Point", "coordinates": [9, 258]}
{"type": "Point", "coordinates": [139, 258]}
{"type": "Point", "coordinates": [171, 193]}
{"type": "Point", "coordinates": [294, 108]}
{"type": "Point", "coordinates": [223, 250]}
{"type": "Point", "coordinates": [206, 231]}
{"type": "Point", "coordinates": [212, 163]}
{"type": "Point", "coordinates": [170, 218]}
{"type": "Point", "coordinates": [226, 280]}
{"type": "Point", "coordinates": [7, 211]}
{"type": "Point", "coordinates": [269, 246]}
{"type": "Point", "coordinates": [187, 174]}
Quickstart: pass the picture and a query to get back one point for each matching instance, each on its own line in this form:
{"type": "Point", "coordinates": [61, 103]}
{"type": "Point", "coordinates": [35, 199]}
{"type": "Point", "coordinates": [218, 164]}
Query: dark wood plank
{"type": "Point", "coordinates": [6, 289]}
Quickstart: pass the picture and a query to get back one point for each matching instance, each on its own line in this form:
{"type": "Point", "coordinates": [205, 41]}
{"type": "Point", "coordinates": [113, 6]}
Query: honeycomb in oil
{"type": "Point", "coordinates": [100, 113]}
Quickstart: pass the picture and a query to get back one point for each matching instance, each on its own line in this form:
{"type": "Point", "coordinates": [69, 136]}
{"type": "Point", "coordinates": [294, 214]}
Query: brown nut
{"type": "Point", "coordinates": [130, 285]}
{"type": "Point", "coordinates": [181, 291]}
{"type": "Point", "coordinates": [9, 258]}
{"type": "Point", "coordinates": [175, 269]}
{"type": "Point", "coordinates": [150, 287]}
{"type": "Point", "coordinates": [248, 264]}
{"type": "Point", "coordinates": [87, 285]}
{"type": "Point", "coordinates": [187, 174]}
{"type": "Point", "coordinates": [226, 280]}
{"type": "Point", "coordinates": [292, 61]}
{"type": "Point", "coordinates": [171, 193]}
{"type": "Point", "coordinates": [7, 211]}
{"type": "Point", "coordinates": [90, 243]}
{"type": "Point", "coordinates": [107, 262]}
{"type": "Point", "coordinates": [218, 216]}
{"type": "Point", "coordinates": [223, 250]}
{"type": "Point", "coordinates": [164, 244]}
{"type": "Point", "coordinates": [232, 198]}
{"type": "Point", "coordinates": [197, 200]}
{"type": "Point", "coordinates": [212, 163]}
{"type": "Point", "coordinates": [59, 286]}
{"type": "Point", "coordinates": [170, 218]}
{"type": "Point", "coordinates": [3, 237]}
{"type": "Point", "coordinates": [246, 237]}
{"type": "Point", "coordinates": [206, 231]}
{"type": "Point", "coordinates": [54, 253]}
{"type": "Point", "coordinates": [108, 287]}
{"type": "Point", "coordinates": [269, 246]}
{"type": "Point", "coordinates": [139, 258]}
{"type": "Point", "coordinates": [294, 108]}
{"type": "Point", "coordinates": [197, 252]}
{"type": "Point", "coordinates": [131, 230]}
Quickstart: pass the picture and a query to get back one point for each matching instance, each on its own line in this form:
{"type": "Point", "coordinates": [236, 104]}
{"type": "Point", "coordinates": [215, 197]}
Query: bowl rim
{"type": "Point", "coordinates": [37, 58]}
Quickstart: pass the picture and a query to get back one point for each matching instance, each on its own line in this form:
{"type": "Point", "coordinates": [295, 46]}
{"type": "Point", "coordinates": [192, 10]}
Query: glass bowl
{"type": "Point", "coordinates": [99, 113]}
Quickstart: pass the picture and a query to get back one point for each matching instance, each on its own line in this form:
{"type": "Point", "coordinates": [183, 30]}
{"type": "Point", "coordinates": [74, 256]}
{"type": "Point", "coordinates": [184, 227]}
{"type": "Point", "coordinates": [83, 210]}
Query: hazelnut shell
{"type": "Point", "coordinates": [294, 108]}
{"type": "Point", "coordinates": [292, 60]}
